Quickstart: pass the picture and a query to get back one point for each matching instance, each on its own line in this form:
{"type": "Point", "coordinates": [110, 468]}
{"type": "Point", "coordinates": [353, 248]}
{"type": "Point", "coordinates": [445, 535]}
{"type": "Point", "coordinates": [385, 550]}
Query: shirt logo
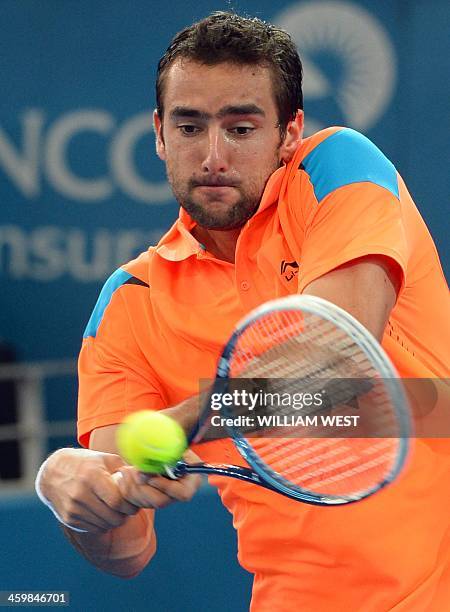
{"type": "Point", "coordinates": [289, 269]}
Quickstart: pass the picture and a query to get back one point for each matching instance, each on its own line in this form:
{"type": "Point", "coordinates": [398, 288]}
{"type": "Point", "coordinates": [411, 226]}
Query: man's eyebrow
{"type": "Point", "coordinates": [184, 111]}
{"type": "Point", "coordinates": [241, 109]}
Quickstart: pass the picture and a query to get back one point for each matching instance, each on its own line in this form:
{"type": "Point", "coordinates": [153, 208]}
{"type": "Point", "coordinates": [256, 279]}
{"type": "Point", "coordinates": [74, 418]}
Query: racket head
{"type": "Point", "coordinates": [329, 471]}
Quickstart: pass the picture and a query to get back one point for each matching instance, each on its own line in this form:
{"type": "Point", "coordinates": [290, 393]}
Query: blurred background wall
{"type": "Point", "coordinates": [81, 191]}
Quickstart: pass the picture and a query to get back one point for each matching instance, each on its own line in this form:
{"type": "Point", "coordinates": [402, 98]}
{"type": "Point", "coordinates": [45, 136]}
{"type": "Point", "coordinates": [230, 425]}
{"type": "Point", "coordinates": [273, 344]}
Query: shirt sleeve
{"type": "Point", "coordinates": [354, 221]}
{"type": "Point", "coordinates": [115, 378]}
{"type": "Point", "coordinates": [346, 200]}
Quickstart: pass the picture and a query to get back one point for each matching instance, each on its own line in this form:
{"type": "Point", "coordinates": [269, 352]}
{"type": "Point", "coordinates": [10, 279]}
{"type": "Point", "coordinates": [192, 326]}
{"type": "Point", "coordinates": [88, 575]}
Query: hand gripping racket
{"type": "Point", "coordinates": [330, 423]}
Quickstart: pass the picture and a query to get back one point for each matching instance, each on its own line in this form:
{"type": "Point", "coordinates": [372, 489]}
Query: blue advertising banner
{"type": "Point", "coordinates": [81, 188]}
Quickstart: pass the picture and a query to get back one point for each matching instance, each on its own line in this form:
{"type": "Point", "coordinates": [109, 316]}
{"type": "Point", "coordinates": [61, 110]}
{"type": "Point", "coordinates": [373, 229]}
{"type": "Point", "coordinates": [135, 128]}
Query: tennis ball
{"type": "Point", "coordinates": [149, 440]}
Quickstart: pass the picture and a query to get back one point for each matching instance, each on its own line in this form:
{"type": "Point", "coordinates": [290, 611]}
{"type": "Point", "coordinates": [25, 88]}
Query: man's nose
{"type": "Point", "coordinates": [216, 156]}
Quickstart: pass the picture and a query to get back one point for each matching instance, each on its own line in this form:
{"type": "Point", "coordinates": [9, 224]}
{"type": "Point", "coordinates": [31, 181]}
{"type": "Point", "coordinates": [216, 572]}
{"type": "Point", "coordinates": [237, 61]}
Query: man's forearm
{"type": "Point", "coordinates": [123, 551]}
{"type": "Point", "coordinates": [187, 412]}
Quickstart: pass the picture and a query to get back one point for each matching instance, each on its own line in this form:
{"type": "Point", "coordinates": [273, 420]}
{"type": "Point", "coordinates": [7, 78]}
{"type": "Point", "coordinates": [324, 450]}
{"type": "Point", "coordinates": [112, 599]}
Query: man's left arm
{"type": "Point", "coordinates": [366, 287]}
{"type": "Point", "coordinates": [349, 209]}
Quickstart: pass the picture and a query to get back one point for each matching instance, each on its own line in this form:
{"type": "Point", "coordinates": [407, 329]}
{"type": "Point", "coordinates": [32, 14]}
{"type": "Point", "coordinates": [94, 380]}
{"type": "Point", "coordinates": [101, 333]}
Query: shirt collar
{"type": "Point", "coordinates": [178, 243]}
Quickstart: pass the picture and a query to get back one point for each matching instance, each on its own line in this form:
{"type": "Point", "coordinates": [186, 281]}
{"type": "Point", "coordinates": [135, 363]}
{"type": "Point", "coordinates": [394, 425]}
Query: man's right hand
{"type": "Point", "coordinates": [80, 485]}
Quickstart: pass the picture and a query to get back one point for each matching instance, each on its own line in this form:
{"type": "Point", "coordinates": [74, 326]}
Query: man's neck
{"type": "Point", "coordinates": [220, 243]}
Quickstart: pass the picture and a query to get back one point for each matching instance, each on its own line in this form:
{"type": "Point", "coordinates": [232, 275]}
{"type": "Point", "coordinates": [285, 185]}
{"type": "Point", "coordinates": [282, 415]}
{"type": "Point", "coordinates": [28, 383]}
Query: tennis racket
{"type": "Point", "coordinates": [345, 438]}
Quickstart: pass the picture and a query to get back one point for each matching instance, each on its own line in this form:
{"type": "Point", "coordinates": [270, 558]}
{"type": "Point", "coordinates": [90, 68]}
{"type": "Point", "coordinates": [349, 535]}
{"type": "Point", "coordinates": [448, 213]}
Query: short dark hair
{"type": "Point", "coordinates": [228, 37]}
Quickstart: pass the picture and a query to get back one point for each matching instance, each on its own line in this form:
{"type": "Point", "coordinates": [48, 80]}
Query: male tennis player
{"type": "Point", "coordinates": [264, 213]}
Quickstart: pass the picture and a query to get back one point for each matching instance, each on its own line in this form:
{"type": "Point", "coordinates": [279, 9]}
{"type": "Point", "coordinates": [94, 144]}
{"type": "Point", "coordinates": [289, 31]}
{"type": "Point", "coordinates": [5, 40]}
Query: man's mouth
{"type": "Point", "coordinates": [214, 183]}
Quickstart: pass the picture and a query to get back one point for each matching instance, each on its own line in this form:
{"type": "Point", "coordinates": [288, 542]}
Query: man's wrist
{"type": "Point", "coordinates": [43, 498]}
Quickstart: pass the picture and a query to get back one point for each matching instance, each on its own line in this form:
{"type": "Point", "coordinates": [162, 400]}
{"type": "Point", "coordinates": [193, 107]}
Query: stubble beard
{"type": "Point", "coordinates": [232, 217]}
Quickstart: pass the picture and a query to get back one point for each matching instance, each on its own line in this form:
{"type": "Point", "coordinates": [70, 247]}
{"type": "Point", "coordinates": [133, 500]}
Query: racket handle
{"type": "Point", "coordinates": [170, 473]}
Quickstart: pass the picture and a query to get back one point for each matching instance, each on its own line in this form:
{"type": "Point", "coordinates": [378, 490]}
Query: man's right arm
{"type": "Point", "coordinates": [117, 515]}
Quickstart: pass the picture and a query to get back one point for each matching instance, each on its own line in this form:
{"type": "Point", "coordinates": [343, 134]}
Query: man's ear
{"type": "Point", "coordinates": [160, 146]}
{"type": "Point", "coordinates": [293, 137]}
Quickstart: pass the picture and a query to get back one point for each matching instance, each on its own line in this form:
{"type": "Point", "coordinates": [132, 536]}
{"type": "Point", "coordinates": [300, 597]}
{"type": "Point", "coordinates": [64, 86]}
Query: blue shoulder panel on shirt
{"type": "Point", "coordinates": [348, 157]}
{"type": "Point", "coordinates": [118, 278]}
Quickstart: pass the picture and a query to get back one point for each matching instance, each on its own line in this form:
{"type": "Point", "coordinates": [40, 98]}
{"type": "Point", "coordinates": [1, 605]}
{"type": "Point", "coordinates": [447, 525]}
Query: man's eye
{"type": "Point", "coordinates": [242, 130]}
{"type": "Point", "coordinates": [189, 130]}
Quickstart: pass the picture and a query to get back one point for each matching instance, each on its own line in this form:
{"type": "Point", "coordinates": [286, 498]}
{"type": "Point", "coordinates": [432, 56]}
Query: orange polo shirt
{"type": "Point", "coordinates": [161, 321]}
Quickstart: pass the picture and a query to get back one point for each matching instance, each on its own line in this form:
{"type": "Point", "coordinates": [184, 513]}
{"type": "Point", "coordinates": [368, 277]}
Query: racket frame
{"type": "Point", "coordinates": [268, 479]}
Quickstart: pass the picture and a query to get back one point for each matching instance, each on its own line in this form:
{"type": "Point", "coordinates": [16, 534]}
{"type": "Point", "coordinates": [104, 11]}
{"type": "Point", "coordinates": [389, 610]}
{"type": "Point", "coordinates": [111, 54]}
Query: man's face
{"type": "Point", "coordinates": [220, 139]}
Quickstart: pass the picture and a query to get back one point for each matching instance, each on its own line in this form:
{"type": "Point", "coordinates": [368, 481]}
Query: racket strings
{"type": "Point", "coordinates": [361, 474]}
{"type": "Point", "coordinates": [343, 447]}
{"type": "Point", "coordinates": [266, 349]}
{"type": "Point", "coordinates": [284, 352]}
{"type": "Point", "coordinates": [332, 466]}
{"type": "Point", "coordinates": [294, 352]}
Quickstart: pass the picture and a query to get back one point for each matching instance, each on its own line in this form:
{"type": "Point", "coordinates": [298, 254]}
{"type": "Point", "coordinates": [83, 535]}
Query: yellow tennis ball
{"type": "Point", "coordinates": [149, 440]}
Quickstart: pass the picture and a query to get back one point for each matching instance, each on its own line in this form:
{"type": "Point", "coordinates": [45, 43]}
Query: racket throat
{"type": "Point", "coordinates": [221, 469]}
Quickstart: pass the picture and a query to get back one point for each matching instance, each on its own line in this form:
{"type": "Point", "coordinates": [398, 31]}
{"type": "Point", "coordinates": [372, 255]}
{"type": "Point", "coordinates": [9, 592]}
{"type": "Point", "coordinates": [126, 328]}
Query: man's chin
{"type": "Point", "coordinates": [217, 222]}
{"type": "Point", "coordinates": [223, 227]}
{"type": "Point", "coordinates": [219, 214]}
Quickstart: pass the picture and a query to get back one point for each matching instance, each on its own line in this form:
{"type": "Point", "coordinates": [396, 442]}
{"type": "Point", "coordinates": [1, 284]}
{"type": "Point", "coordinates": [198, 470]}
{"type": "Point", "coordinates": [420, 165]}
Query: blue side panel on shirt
{"type": "Point", "coordinates": [348, 157]}
{"type": "Point", "coordinates": [118, 278]}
